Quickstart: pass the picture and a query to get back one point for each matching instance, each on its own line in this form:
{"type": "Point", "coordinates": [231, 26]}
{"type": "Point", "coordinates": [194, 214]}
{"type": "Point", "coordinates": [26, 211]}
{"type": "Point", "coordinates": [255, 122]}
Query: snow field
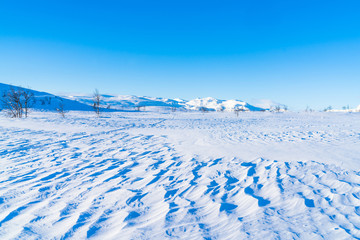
{"type": "Point", "coordinates": [180, 175]}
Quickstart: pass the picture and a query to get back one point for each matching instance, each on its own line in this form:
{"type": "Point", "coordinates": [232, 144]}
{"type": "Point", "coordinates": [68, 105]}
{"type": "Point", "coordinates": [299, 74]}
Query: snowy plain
{"type": "Point", "coordinates": [180, 175]}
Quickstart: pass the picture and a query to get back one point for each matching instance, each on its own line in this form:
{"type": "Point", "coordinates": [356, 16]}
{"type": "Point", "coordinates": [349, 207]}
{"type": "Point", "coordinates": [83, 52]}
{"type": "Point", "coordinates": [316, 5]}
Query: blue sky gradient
{"type": "Point", "coordinates": [301, 53]}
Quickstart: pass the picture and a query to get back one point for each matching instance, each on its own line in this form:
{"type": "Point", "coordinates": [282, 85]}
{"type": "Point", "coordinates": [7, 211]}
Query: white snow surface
{"type": "Point", "coordinates": [186, 175]}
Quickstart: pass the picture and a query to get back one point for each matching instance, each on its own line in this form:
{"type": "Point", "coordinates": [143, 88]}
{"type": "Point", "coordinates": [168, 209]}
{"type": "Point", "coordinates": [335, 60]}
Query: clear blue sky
{"type": "Point", "coordinates": [294, 52]}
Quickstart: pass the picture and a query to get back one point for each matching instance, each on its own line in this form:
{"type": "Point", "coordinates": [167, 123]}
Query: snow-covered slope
{"type": "Point", "coordinates": [131, 102]}
{"type": "Point", "coordinates": [47, 101]}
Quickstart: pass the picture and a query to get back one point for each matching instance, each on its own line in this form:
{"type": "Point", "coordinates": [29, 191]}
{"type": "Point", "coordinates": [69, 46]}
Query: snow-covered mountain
{"type": "Point", "coordinates": [220, 105]}
{"type": "Point", "coordinates": [129, 102]}
{"type": "Point", "coordinates": [47, 101]}
{"type": "Point", "coordinates": [133, 102]}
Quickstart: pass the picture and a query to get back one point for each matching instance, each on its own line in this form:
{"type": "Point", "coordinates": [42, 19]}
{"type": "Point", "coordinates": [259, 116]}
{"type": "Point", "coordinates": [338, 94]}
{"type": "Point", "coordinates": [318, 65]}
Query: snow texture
{"type": "Point", "coordinates": [185, 175]}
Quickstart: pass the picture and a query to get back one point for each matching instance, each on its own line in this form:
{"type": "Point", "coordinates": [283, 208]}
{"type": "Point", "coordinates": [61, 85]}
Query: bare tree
{"type": "Point", "coordinates": [203, 109]}
{"type": "Point", "coordinates": [329, 108]}
{"type": "Point", "coordinates": [17, 102]}
{"type": "Point", "coordinates": [138, 107]}
{"type": "Point", "coordinates": [346, 107]}
{"type": "Point", "coordinates": [238, 109]}
{"type": "Point", "coordinates": [28, 100]}
{"type": "Point", "coordinates": [96, 102]}
{"type": "Point", "coordinates": [11, 103]}
{"type": "Point", "coordinates": [60, 108]}
{"type": "Point", "coordinates": [173, 107]}
{"type": "Point", "coordinates": [308, 109]}
{"type": "Point", "coordinates": [277, 108]}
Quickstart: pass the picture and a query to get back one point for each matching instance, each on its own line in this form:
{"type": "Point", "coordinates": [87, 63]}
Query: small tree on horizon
{"type": "Point", "coordinates": [204, 109]}
{"type": "Point", "coordinates": [60, 108]}
{"type": "Point", "coordinates": [28, 101]}
{"type": "Point", "coordinates": [96, 102]}
{"type": "Point", "coordinates": [173, 107]}
{"type": "Point", "coordinates": [329, 108]}
{"type": "Point", "coordinates": [277, 108]}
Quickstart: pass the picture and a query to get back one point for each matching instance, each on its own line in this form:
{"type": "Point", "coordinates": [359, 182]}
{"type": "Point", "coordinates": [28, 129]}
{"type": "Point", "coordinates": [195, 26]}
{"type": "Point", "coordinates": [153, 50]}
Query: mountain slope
{"type": "Point", "coordinates": [47, 101]}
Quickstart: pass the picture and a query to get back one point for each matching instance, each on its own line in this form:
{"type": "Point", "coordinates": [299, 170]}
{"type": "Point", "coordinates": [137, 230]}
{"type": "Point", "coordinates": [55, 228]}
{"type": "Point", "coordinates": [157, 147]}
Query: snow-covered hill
{"type": "Point", "coordinates": [47, 101]}
{"type": "Point", "coordinates": [132, 102]}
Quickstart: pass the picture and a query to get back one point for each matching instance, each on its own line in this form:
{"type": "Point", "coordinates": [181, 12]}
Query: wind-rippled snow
{"type": "Point", "coordinates": [180, 175]}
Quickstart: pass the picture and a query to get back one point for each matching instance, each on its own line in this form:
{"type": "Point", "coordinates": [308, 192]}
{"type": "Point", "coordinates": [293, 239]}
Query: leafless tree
{"type": "Point", "coordinates": [346, 107]}
{"type": "Point", "coordinates": [237, 110]}
{"type": "Point", "coordinates": [96, 102]}
{"type": "Point", "coordinates": [308, 109]}
{"type": "Point", "coordinates": [138, 107]}
{"type": "Point", "coordinates": [28, 100]}
{"type": "Point", "coordinates": [11, 103]}
{"type": "Point", "coordinates": [203, 109]}
{"type": "Point", "coordinates": [60, 109]}
{"type": "Point", "coordinates": [277, 108]}
{"type": "Point", "coordinates": [329, 108]}
{"type": "Point", "coordinates": [173, 107]}
{"type": "Point", "coordinates": [17, 102]}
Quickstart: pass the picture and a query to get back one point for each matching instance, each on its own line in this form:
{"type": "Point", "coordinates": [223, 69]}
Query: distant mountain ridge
{"type": "Point", "coordinates": [122, 102]}
{"type": "Point", "coordinates": [48, 101]}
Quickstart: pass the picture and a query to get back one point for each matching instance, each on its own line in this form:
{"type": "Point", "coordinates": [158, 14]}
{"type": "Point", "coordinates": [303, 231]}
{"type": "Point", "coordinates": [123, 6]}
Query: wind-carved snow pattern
{"type": "Point", "coordinates": [109, 182]}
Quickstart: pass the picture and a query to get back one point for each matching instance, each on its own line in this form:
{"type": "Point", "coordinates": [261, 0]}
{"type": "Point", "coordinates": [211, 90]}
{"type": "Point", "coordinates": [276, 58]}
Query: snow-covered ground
{"type": "Point", "coordinates": [186, 175]}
